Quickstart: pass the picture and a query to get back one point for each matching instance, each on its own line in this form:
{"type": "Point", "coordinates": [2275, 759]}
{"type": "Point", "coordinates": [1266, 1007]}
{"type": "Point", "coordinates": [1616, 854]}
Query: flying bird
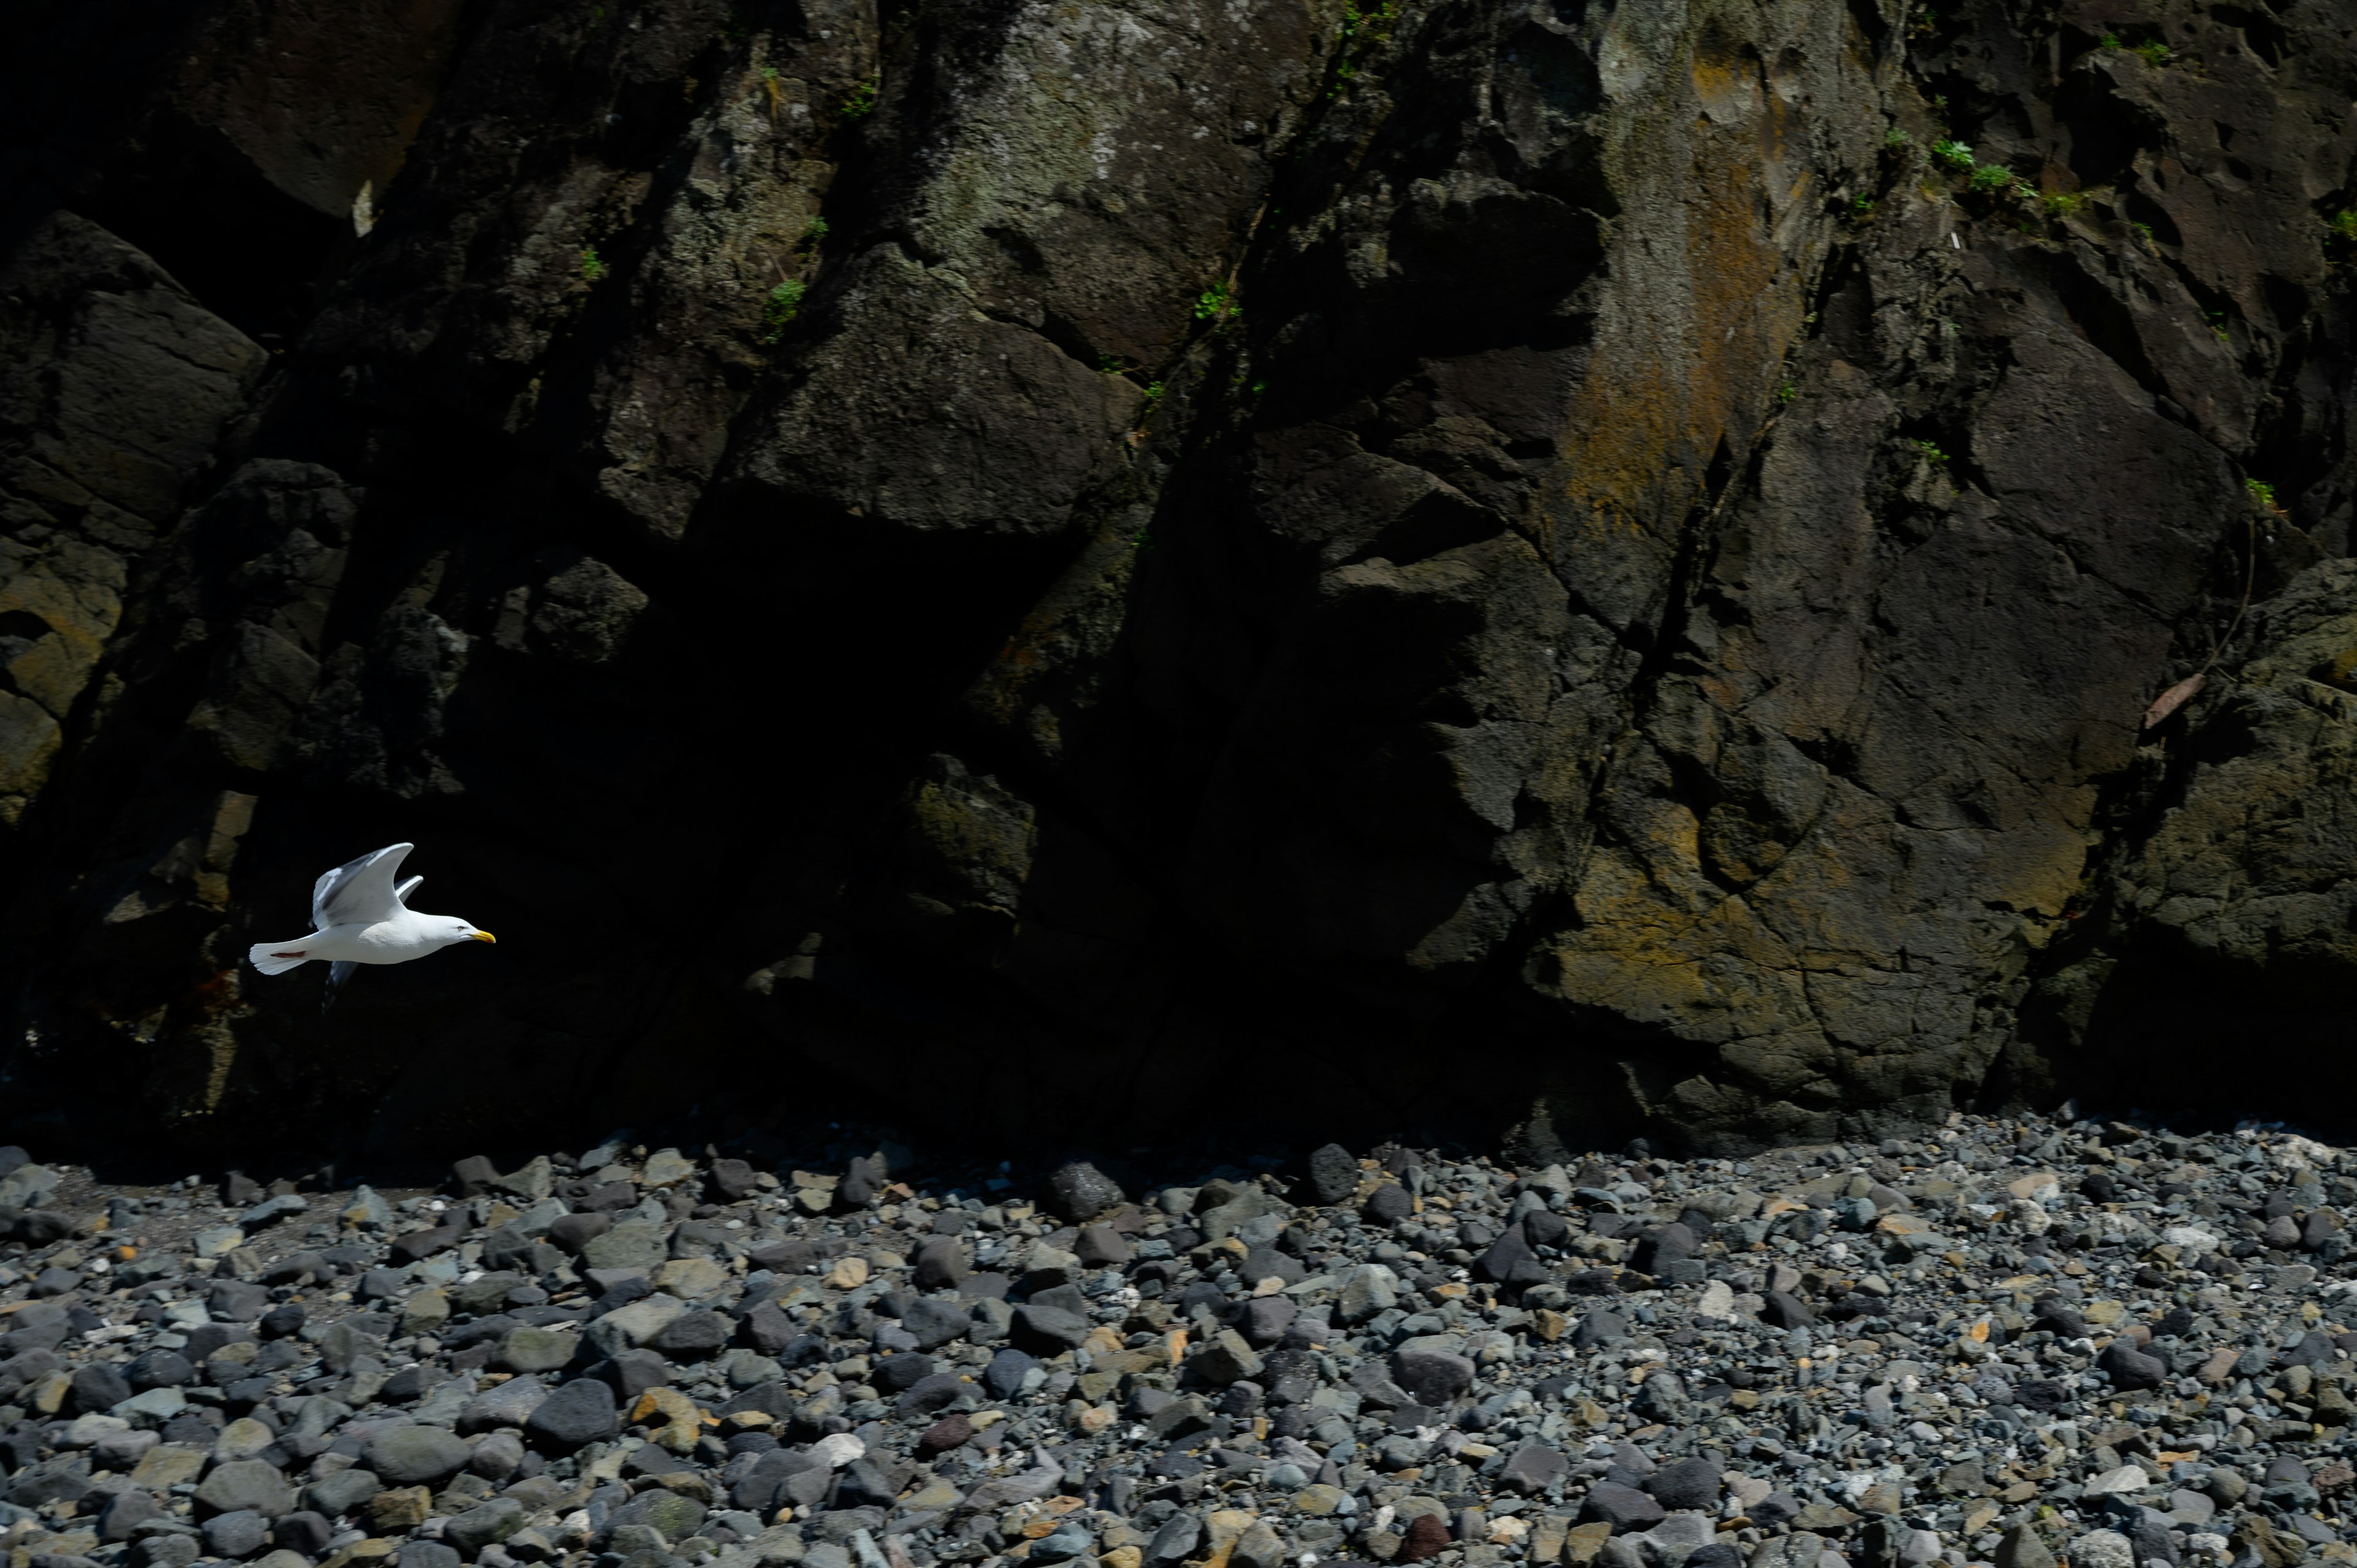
{"type": "Point", "coordinates": [358, 916]}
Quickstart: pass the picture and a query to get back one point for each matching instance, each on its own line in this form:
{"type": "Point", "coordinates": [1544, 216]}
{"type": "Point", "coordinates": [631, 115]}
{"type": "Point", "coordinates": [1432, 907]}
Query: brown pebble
{"type": "Point", "coordinates": [1426, 1536]}
{"type": "Point", "coordinates": [950, 1431]}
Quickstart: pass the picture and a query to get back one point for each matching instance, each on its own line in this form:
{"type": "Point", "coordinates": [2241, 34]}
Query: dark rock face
{"type": "Point", "coordinates": [1636, 545]}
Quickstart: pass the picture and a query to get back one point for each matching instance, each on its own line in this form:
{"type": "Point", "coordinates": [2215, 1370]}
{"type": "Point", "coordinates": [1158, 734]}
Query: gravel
{"type": "Point", "coordinates": [2016, 1343]}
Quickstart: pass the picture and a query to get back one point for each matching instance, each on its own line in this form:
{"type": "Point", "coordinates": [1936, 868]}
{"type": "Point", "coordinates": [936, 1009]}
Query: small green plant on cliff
{"type": "Point", "coordinates": [779, 307]}
{"type": "Point", "coordinates": [1931, 453]}
{"type": "Point", "coordinates": [1990, 179]}
{"type": "Point", "coordinates": [2343, 224]}
{"type": "Point", "coordinates": [860, 101]}
{"type": "Point", "coordinates": [2110, 42]}
{"type": "Point", "coordinates": [1153, 392]}
{"type": "Point", "coordinates": [1362, 28]}
{"type": "Point", "coordinates": [2217, 320]}
{"type": "Point", "coordinates": [2062, 203]}
{"type": "Point", "coordinates": [1861, 207]}
{"type": "Point", "coordinates": [2262, 492]}
{"type": "Point", "coordinates": [1371, 24]}
{"type": "Point", "coordinates": [2142, 231]}
{"type": "Point", "coordinates": [813, 232]}
{"type": "Point", "coordinates": [1143, 539]}
{"type": "Point", "coordinates": [2155, 52]}
{"type": "Point", "coordinates": [1896, 140]}
{"type": "Point", "coordinates": [593, 266]}
{"type": "Point", "coordinates": [1216, 303]}
{"type": "Point", "coordinates": [1951, 154]}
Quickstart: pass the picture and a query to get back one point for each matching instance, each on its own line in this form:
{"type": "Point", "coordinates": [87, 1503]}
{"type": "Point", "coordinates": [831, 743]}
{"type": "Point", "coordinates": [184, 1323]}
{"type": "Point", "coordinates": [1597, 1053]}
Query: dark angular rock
{"type": "Point", "coordinates": [1265, 1318]}
{"type": "Point", "coordinates": [792, 1256]}
{"type": "Point", "coordinates": [1047, 1330]}
{"type": "Point", "coordinates": [1659, 1248]}
{"type": "Point", "coordinates": [941, 1263]}
{"type": "Point", "coordinates": [2131, 1368]}
{"type": "Point", "coordinates": [1686, 1484]}
{"type": "Point", "coordinates": [730, 1179]}
{"type": "Point", "coordinates": [1174, 1540]}
{"type": "Point", "coordinates": [303, 1531]}
{"type": "Point", "coordinates": [1544, 1228]}
{"type": "Point", "coordinates": [474, 1175]}
{"type": "Point", "coordinates": [1598, 1326]}
{"type": "Point", "coordinates": [928, 1394]}
{"type": "Point", "coordinates": [1005, 1373]}
{"type": "Point", "coordinates": [1623, 1507]}
{"type": "Point", "coordinates": [2057, 1318]}
{"type": "Point", "coordinates": [129, 1509]}
{"type": "Point", "coordinates": [580, 1411]}
{"type": "Point", "coordinates": [339, 1492]}
{"type": "Point", "coordinates": [505, 1406]}
{"type": "Point", "coordinates": [932, 1323]}
{"type": "Point", "coordinates": [1431, 1377]}
{"type": "Point", "coordinates": [897, 1374]}
{"type": "Point", "coordinates": [98, 1389]}
{"type": "Point", "coordinates": [1532, 1468]}
{"type": "Point", "coordinates": [1782, 1310]}
{"type": "Point", "coordinates": [495, 1520]}
{"type": "Point", "coordinates": [860, 1184]}
{"type": "Point", "coordinates": [692, 1336]}
{"type": "Point", "coordinates": [1079, 1192]}
{"type": "Point", "coordinates": [159, 1371]}
{"type": "Point", "coordinates": [1509, 1261]}
{"type": "Point", "coordinates": [578, 1229]}
{"type": "Point", "coordinates": [415, 1246]}
{"type": "Point", "coordinates": [769, 1331]}
{"type": "Point", "coordinates": [1101, 1246]}
{"type": "Point", "coordinates": [1333, 1176]}
{"type": "Point", "coordinates": [282, 1322]}
{"type": "Point", "coordinates": [1387, 1205]}
{"type": "Point", "coordinates": [2315, 1348]}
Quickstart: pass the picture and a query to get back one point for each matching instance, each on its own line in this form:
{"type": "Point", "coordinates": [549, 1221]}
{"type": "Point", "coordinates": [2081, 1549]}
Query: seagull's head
{"type": "Point", "coordinates": [455, 931]}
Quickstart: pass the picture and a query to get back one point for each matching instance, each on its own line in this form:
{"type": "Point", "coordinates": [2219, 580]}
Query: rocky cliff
{"type": "Point", "coordinates": [1568, 567]}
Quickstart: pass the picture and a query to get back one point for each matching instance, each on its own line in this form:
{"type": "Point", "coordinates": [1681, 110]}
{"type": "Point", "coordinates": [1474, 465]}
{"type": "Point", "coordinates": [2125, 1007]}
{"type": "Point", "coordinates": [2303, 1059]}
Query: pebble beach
{"type": "Point", "coordinates": [2017, 1342]}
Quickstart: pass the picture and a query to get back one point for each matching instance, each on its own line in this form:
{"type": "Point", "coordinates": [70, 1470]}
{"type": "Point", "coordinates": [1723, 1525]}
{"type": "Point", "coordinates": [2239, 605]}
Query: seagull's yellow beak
{"type": "Point", "coordinates": [483, 936]}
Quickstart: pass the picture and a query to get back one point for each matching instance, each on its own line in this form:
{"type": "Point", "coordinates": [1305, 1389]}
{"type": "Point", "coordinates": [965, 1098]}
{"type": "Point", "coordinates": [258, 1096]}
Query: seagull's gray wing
{"type": "Point", "coordinates": [403, 892]}
{"type": "Point", "coordinates": [336, 974]}
{"type": "Point", "coordinates": [360, 893]}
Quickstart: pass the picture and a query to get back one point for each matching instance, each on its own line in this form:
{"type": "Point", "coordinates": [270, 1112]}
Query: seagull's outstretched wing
{"type": "Point", "coordinates": [361, 893]}
{"type": "Point", "coordinates": [403, 892]}
{"type": "Point", "coordinates": [336, 974]}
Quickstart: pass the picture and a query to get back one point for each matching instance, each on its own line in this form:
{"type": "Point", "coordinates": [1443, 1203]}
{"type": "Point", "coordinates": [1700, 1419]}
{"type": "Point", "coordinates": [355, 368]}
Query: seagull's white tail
{"type": "Point", "coordinates": [275, 958]}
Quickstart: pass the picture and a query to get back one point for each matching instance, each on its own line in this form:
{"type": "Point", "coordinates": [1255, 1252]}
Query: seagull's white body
{"type": "Point", "coordinates": [359, 917]}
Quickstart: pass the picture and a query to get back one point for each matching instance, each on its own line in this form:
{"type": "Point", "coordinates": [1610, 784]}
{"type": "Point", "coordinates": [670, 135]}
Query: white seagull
{"type": "Point", "coordinates": [360, 917]}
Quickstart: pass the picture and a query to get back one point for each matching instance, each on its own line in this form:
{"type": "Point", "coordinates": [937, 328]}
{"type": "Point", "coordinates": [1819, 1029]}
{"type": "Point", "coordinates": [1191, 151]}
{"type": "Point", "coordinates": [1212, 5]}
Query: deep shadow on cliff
{"type": "Point", "coordinates": [1544, 572]}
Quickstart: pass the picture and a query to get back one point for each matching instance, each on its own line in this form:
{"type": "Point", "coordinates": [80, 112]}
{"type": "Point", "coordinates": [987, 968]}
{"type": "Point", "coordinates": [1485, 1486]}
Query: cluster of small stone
{"type": "Point", "coordinates": [2002, 1342]}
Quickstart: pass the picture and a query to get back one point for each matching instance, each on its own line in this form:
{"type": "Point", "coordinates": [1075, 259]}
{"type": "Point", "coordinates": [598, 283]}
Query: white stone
{"type": "Point", "coordinates": [838, 1449]}
{"type": "Point", "coordinates": [2127, 1479]}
